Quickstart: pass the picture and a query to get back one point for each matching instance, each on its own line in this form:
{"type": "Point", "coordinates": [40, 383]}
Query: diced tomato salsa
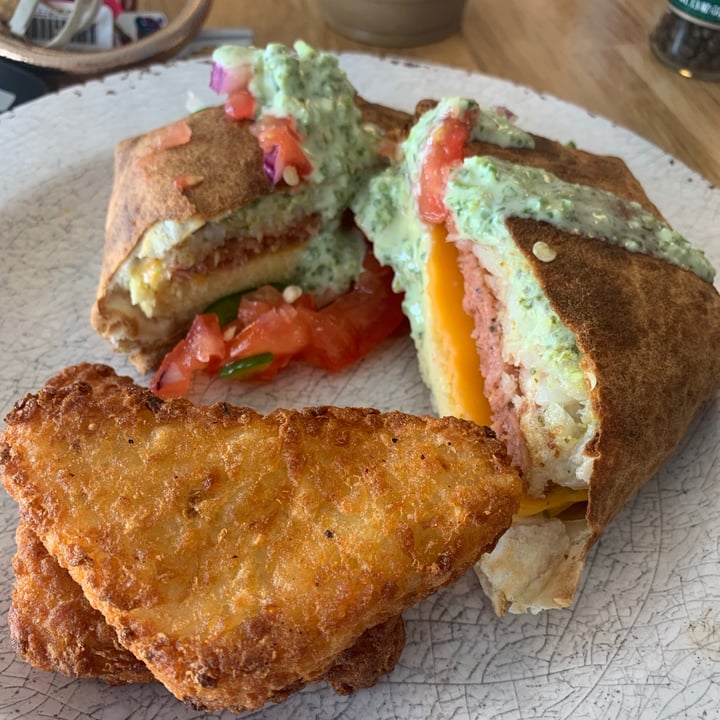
{"type": "Point", "coordinates": [170, 136]}
{"type": "Point", "coordinates": [283, 156]}
{"type": "Point", "coordinates": [445, 151]}
{"type": "Point", "coordinates": [331, 337]}
{"type": "Point", "coordinates": [281, 145]}
{"type": "Point", "coordinates": [240, 105]}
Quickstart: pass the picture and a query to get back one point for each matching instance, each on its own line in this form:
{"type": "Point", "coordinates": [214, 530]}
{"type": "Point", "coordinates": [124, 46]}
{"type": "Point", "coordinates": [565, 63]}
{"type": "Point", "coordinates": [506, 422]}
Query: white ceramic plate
{"type": "Point", "coordinates": [641, 640]}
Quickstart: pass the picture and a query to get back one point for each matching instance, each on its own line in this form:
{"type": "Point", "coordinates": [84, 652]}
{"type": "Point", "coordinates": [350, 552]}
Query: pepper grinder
{"type": "Point", "coordinates": [687, 38]}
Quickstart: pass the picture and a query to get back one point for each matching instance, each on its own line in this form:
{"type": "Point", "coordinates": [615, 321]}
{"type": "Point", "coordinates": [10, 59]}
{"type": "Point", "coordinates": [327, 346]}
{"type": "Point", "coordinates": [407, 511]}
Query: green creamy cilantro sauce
{"type": "Point", "coordinates": [331, 261]}
{"type": "Point", "coordinates": [309, 87]}
{"type": "Point", "coordinates": [482, 192]}
{"type": "Point", "coordinates": [384, 210]}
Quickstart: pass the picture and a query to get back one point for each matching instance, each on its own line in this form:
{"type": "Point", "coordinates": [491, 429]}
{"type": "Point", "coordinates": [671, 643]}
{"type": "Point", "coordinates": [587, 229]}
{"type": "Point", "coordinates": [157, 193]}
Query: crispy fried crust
{"type": "Point", "coordinates": [375, 654]}
{"type": "Point", "coordinates": [53, 626]}
{"type": "Point", "coordinates": [239, 555]}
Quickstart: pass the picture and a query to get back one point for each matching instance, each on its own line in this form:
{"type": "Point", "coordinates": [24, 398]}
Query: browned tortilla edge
{"type": "Point", "coordinates": [648, 330]}
{"type": "Point", "coordinates": [222, 166]}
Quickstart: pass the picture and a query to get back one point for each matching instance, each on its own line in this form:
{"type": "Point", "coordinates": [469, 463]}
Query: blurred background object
{"type": "Point", "coordinates": [394, 23]}
{"type": "Point", "coordinates": [136, 40]}
{"type": "Point", "coordinates": [687, 38]}
{"type": "Point", "coordinates": [18, 86]}
{"type": "Point", "coordinates": [56, 24]}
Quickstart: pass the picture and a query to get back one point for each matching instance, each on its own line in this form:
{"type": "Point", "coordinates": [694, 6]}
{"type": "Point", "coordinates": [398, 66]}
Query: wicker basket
{"type": "Point", "coordinates": [156, 47]}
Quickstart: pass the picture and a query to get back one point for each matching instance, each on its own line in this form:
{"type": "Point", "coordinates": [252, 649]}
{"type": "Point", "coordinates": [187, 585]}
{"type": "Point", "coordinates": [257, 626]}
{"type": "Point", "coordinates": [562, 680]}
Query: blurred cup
{"type": "Point", "coordinates": [394, 23]}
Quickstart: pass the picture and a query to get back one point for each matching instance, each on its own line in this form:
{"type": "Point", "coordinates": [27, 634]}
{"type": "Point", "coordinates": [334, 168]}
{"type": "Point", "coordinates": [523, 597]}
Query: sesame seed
{"type": "Point", "coordinates": [291, 293]}
{"type": "Point", "coordinates": [543, 252]}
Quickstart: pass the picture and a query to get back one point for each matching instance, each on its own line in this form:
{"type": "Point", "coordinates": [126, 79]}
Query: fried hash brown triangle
{"type": "Point", "coordinates": [53, 627]}
{"type": "Point", "coordinates": [241, 556]}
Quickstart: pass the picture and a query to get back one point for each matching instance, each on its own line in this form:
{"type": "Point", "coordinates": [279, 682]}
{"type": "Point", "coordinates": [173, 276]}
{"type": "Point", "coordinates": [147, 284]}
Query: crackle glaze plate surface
{"type": "Point", "coordinates": [642, 639]}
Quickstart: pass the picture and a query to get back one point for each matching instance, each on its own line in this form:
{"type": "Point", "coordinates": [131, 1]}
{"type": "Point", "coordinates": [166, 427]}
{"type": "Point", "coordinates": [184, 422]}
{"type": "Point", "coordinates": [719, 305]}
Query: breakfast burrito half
{"type": "Point", "coordinates": [549, 299]}
{"type": "Point", "coordinates": [236, 196]}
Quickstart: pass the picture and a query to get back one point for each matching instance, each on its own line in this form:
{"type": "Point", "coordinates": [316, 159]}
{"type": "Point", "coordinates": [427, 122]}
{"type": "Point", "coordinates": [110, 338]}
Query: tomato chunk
{"type": "Point", "coordinates": [185, 182]}
{"type": "Point", "coordinates": [240, 105]}
{"type": "Point", "coordinates": [281, 144]}
{"type": "Point", "coordinates": [357, 321]}
{"type": "Point", "coordinates": [205, 339]}
{"type": "Point", "coordinates": [256, 303]}
{"type": "Point", "coordinates": [170, 136]}
{"type": "Point", "coordinates": [280, 331]}
{"type": "Point", "coordinates": [444, 152]}
{"type": "Point", "coordinates": [269, 328]}
{"type": "Point", "coordinates": [202, 348]}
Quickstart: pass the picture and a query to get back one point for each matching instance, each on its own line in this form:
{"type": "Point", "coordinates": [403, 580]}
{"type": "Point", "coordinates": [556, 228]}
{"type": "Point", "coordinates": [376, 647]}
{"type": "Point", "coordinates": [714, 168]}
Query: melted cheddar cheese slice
{"type": "Point", "coordinates": [555, 501]}
{"type": "Point", "coordinates": [457, 356]}
{"type": "Point", "coordinates": [453, 329]}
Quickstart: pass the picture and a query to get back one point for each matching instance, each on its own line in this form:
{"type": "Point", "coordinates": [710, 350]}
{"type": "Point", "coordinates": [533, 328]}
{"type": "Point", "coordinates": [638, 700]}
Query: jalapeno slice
{"type": "Point", "coordinates": [246, 367]}
{"type": "Point", "coordinates": [226, 308]}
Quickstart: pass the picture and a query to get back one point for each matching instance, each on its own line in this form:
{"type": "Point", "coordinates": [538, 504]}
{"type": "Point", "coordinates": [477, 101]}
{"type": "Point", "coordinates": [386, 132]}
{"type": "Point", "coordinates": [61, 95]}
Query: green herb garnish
{"type": "Point", "coordinates": [246, 367]}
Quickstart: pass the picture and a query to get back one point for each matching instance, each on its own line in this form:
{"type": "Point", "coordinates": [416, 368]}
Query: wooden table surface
{"type": "Point", "coordinates": [593, 54]}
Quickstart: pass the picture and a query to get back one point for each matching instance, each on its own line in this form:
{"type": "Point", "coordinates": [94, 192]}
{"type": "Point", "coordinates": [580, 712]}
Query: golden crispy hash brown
{"type": "Point", "coordinates": [239, 555]}
{"type": "Point", "coordinates": [373, 655]}
{"type": "Point", "coordinates": [54, 627]}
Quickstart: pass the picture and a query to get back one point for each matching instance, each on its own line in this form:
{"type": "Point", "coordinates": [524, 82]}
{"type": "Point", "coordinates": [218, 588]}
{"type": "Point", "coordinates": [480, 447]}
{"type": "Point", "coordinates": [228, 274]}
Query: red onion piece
{"type": "Point", "coordinates": [217, 78]}
{"type": "Point", "coordinates": [270, 165]}
{"type": "Point", "coordinates": [224, 79]}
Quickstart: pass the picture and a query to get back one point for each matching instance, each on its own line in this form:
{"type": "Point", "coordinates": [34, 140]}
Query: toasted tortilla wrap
{"type": "Point", "coordinates": [146, 200]}
{"type": "Point", "coordinates": [649, 334]}
{"type": "Point", "coordinates": [595, 357]}
{"type": "Point", "coordinates": [198, 210]}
